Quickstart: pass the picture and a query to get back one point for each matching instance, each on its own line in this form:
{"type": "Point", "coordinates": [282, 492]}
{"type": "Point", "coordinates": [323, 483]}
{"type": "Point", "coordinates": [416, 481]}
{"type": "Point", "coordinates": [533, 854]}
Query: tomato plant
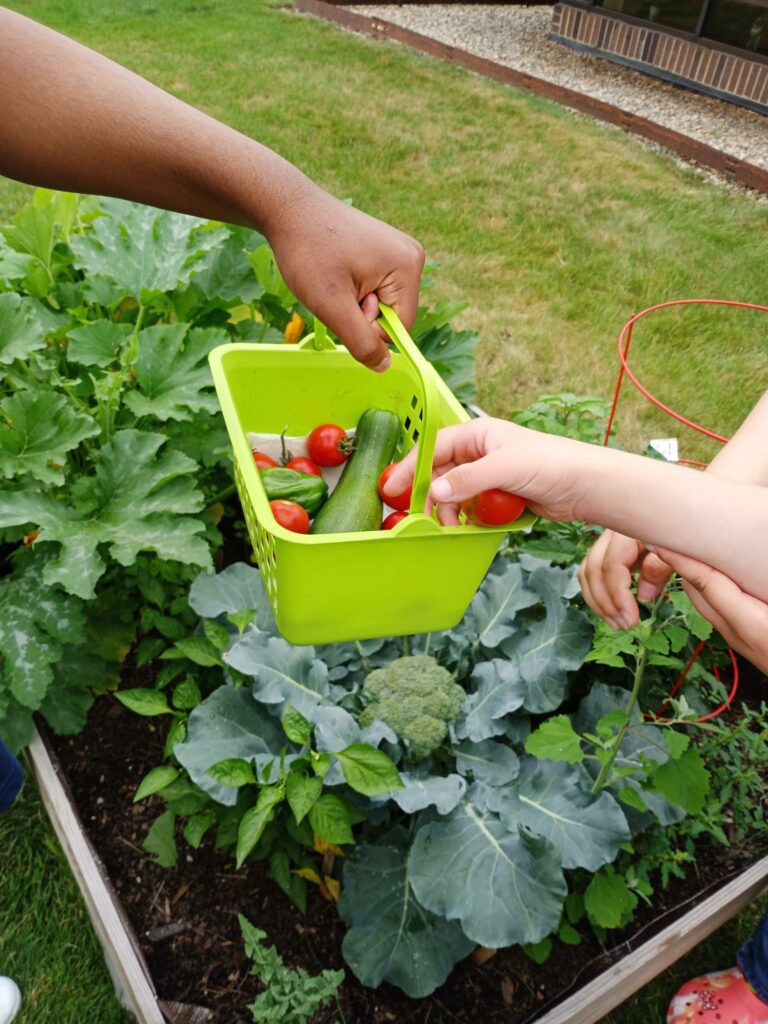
{"type": "Point", "coordinates": [393, 519]}
{"type": "Point", "coordinates": [303, 465]}
{"type": "Point", "coordinates": [494, 507]}
{"type": "Point", "coordinates": [397, 501]}
{"type": "Point", "coordinates": [263, 461]}
{"type": "Point", "coordinates": [290, 515]}
{"type": "Point", "coordinates": [328, 445]}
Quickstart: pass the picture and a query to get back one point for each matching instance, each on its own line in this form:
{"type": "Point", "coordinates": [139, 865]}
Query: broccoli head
{"type": "Point", "coordinates": [417, 698]}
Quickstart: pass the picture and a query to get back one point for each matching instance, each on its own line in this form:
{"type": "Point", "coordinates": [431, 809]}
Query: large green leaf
{"type": "Point", "coordinates": [35, 622]}
{"type": "Point", "coordinates": [172, 374]}
{"type": "Point", "coordinates": [499, 690]}
{"type": "Point", "coordinates": [553, 800]}
{"type": "Point", "coordinates": [229, 724]}
{"type": "Point", "coordinates": [392, 938]}
{"type": "Point", "coordinates": [421, 790]}
{"type": "Point", "coordinates": [282, 673]}
{"type": "Point", "coordinates": [546, 651]}
{"type": "Point", "coordinates": [139, 250]}
{"type": "Point", "coordinates": [503, 887]}
{"type": "Point", "coordinates": [643, 742]}
{"type": "Point", "coordinates": [493, 612]}
{"type": "Point", "coordinates": [37, 429]}
{"type": "Point", "coordinates": [238, 588]}
{"type": "Point", "coordinates": [487, 761]}
{"type": "Point", "coordinates": [97, 343]}
{"type": "Point", "coordinates": [22, 331]}
{"type": "Point", "coordinates": [138, 500]}
{"type": "Point", "coordinates": [226, 272]}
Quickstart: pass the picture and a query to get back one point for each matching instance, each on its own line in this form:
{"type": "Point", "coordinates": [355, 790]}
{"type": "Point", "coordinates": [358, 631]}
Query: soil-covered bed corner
{"type": "Point", "coordinates": [186, 917]}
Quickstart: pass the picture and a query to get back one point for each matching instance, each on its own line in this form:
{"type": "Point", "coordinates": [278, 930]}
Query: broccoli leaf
{"type": "Point", "coordinates": [392, 938]}
{"type": "Point", "coordinates": [491, 762]}
{"type": "Point", "coordinates": [552, 800]}
{"type": "Point", "coordinates": [546, 652]}
{"type": "Point", "coordinates": [282, 673]}
{"type": "Point", "coordinates": [492, 613]}
{"type": "Point", "coordinates": [237, 588]}
{"type": "Point", "coordinates": [228, 724]}
{"type": "Point", "coordinates": [40, 428]}
{"type": "Point", "coordinates": [500, 690]}
{"type": "Point", "coordinates": [503, 887]}
{"type": "Point", "coordinates": [421, 791]}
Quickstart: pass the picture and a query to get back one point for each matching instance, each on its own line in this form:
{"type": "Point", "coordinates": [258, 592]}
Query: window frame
{"type": "Point", "coordinates": [695, 36]}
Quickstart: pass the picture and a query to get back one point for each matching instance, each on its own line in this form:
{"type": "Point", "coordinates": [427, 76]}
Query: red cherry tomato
{"type": "Point", "coordinates": [493, 508]}
{"type": "Point", "coordinates": [328, 445]}
{"type": "Point", "coordinates": [290, 515]}
{"type": "Point", "coordinates": [393, 519]}
{"type": "Point", "coordinates": [263, 461]}
{"type": "Point", "coordinates": [303, 465]}
{"type": "Point", "coordinates": [399, 501]}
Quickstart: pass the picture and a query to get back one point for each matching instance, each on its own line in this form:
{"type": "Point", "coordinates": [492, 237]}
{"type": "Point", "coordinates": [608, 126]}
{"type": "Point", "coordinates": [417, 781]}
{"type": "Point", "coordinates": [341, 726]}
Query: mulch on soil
{"type": "Point", "coordinates": [186, 917]}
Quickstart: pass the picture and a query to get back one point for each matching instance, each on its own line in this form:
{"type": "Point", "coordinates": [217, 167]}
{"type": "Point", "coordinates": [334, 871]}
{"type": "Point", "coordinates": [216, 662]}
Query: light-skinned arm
{"type": "Point", "coordinates": [72, 119]}
{"type": "Point", "coordinates": [606, 573]}
{"type": "Point", "coordinates": [719, 522]}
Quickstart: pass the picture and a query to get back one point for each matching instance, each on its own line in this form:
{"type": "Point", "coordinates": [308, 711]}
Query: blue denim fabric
{"type": "Point", "coordinates": [753, 959]}
{"type": "Point", "coordinates": [11, 777]}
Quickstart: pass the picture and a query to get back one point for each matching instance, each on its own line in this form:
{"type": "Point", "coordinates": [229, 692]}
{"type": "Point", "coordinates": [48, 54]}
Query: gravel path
{"type": "Point", "coordinates": [517, 38]}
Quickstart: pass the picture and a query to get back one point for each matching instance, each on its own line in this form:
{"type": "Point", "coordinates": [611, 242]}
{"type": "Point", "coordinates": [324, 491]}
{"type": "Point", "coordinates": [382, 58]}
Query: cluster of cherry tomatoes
{"type": "Point", "coordinates": [328, 446]}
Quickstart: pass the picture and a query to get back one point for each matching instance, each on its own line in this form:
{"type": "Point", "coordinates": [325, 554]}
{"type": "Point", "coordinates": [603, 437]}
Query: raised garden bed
{"type": "Point", "coordinates": [172, 939]}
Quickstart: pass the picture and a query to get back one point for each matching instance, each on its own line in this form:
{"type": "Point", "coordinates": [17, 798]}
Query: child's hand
{"type": "Point", "coordinates": [551, 473]}
{"type": "Point", "coordinates": [740, 618]}
{"type": "Point", "coordinates": [605, 576]}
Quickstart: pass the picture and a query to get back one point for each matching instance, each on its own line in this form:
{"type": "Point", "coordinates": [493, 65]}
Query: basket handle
{"type": "Point", "coordinates": [430, 398]}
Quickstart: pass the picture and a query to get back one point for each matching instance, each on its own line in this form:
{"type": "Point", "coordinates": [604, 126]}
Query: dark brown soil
{"type": "Point", "coordinates": [186, 917]}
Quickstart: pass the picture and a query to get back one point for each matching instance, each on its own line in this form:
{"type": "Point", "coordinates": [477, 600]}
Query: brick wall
{"type": "Point", "coordinates": [726, 75]}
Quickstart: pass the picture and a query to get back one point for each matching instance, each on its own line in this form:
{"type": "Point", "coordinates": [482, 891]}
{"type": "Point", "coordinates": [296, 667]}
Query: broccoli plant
{"type": "Point", "coordinates": [417, 698]}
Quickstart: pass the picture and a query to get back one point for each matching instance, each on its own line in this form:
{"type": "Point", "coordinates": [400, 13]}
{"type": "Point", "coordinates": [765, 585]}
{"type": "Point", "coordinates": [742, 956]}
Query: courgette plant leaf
{"type": "Point", "coordinates": [391, 937]}
{"type": "Point", "coordinates": [137, 250]}
{"type": "Point", "coordinates": [552, 799]}
{"type": "Point", "coordinates": [37, 429]}
{"type": "Point", "coordinates": [22, 330]}
{"type": "Point", "coordinates": [172, 374]}
{"type": "Point", "coordinates": [503, 887]}
{"type": "Point", "coordinates": [97, 342]}
{"type": "Point", "coordinates": [228, 724]}
{"type": "Point", "coordinates": [226, 273]}
{"type": "Point", "coordinates": [139, 499]}
{"type": "Point", "coordinates": [36, 620]}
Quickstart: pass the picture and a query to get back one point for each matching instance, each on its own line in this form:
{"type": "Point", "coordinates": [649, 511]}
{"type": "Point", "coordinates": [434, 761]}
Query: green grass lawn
{"type": "Point", "coordinates": [46, 940]}
{"type": "Point", "coordinates": [553, 227]}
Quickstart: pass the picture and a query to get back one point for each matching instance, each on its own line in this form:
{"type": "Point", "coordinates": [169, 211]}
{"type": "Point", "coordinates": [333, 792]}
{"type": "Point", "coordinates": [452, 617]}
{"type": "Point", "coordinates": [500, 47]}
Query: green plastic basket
{"type": "Point", "coordinates": [416, 578]}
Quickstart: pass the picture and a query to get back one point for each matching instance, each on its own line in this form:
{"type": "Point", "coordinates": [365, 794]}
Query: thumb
{"type": "Point", "coordinates": [654, 575]}
{"type": "Point", "coordinates": [468, 479]}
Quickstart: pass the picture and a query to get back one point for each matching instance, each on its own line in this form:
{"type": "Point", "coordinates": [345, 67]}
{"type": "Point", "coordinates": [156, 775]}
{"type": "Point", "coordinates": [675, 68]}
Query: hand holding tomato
{"type": "Point", "coordinates": [550, 475]}
{"type": "Point", "coordinates": [399, 502]}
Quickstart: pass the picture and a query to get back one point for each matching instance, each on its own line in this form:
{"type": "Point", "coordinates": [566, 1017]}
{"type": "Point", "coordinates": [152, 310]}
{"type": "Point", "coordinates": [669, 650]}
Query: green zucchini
{"type": "Point", "coordinates": [305, 489]}
{"type": "Point", "coordinates": [355, 504]}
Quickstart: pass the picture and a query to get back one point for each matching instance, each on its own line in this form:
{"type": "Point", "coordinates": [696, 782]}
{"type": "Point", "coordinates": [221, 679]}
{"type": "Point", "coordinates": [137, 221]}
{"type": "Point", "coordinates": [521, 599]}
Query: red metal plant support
{"type": "Point", "coordinates": [624, 342]}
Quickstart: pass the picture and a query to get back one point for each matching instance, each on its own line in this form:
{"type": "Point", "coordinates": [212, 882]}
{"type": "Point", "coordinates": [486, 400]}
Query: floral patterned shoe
{"type": "Point", "coordinates": [721, 998]}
